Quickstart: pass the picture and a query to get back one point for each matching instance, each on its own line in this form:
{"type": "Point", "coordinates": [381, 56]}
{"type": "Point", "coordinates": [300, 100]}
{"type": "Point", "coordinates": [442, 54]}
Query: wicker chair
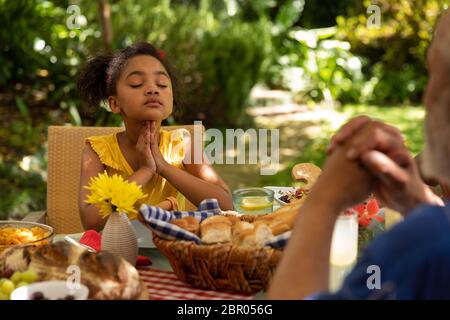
{"type": "Point", "coordinates": [65, 145]}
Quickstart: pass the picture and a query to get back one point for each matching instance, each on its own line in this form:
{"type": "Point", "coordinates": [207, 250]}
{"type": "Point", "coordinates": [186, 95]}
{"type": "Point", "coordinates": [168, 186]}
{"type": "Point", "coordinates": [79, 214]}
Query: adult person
{"type": "Point", "coordinates": [413, 258]}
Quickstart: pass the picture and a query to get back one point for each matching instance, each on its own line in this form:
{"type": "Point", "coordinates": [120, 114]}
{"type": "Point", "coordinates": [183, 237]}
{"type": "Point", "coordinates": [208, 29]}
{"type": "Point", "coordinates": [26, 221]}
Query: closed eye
{"type": "Point", "coordinates": [162, 85]}
{"type": "Point", "coordinates": [135, 85]}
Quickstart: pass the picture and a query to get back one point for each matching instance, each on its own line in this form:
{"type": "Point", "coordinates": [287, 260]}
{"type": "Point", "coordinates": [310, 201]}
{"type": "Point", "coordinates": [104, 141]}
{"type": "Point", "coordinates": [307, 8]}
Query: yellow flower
{"type": "Point", "coordinates": [113, 193]}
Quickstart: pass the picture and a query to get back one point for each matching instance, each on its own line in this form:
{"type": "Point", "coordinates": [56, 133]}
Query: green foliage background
{"type": "Point", "coordinates": [221, 50]}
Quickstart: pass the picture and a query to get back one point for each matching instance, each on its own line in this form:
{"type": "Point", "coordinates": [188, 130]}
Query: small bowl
{"type": "Point", "coordinates": [47, 239]}
{"type": "Point", "coordinates": [52, 290]}
{"type": "Point", "coordinates": [253, 200]}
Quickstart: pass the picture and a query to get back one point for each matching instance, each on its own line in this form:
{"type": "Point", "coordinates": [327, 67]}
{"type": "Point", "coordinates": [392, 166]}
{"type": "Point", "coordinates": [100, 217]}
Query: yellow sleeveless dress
{"type": "Point", "coordinates": [173, 148]}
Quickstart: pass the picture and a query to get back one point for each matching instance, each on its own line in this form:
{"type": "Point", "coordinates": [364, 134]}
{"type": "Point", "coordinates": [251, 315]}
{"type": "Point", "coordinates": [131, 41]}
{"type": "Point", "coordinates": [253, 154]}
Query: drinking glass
{"type": "Point", "coordinates": [344, 247]}
{"type": "Point", "coordinates": [253, 200]}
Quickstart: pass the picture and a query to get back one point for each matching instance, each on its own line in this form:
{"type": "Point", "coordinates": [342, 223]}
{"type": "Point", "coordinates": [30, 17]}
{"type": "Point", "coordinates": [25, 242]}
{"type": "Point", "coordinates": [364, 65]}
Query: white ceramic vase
{"type": "Point", "coordinates": [119, 237]}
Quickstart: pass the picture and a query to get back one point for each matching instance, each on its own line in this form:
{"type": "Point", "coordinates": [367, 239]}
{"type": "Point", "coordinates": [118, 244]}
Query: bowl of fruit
{"type": "Point", "coordinates": [24, 232]}
{"type": "Point", "coordinates": [8, 284]}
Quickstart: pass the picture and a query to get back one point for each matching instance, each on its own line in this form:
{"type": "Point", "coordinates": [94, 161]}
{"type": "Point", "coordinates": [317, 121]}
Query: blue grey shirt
{"type": "Point", "coordinates": [411, 261]}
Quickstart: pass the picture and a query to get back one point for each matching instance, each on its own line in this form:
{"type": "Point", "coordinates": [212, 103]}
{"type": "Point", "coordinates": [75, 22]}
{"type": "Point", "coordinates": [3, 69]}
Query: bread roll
{"type": "Point", "coordinates": [216, 219]}
{"type": "Point", "coordinates": [215, 229]}
{"type": "Point", "coordinates": [233, 220]}
{"type": "Point", "coordinates": [239, 228]}
{"type": "Point", "coordinates": [255, 237]}
{"type": "Point", "coordinates": [188, 223]}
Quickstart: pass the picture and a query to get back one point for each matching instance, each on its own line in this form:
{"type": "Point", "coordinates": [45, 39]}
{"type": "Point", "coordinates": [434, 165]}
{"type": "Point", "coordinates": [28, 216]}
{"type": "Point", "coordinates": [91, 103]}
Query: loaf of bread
{"type": "Point", "coordinates": [107, 276]}
{"type": "Point", "coordinates": [215, 229]}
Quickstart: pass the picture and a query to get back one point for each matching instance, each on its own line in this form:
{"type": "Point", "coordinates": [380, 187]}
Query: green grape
{"type": "Point", "coordinates": [1, 281]}
{"type": "Point", "coordinates": [29, 276]}
{"type": "Point", "coordinates": [21, 284]}
{"type": "Point", "coordinates": [8, 287]}
{"type": "Point", "coordinates": [3, 296]}
{"type": "Point", "coordinates": [16, 277]}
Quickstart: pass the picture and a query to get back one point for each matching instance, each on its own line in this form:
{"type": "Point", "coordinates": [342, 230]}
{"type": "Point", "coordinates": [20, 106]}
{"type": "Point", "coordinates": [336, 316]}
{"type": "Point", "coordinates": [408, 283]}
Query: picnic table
{"type": "Point", "coordinates": [163, 284]}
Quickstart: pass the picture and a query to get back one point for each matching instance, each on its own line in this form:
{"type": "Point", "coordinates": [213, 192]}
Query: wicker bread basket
{"type": "Point", "coordinates": [221, 266]}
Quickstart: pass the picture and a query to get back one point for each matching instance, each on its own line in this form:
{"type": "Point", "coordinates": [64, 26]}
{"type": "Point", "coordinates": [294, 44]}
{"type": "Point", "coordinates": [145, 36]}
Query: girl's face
{"type": "Point", "coordinates": [144, 90]}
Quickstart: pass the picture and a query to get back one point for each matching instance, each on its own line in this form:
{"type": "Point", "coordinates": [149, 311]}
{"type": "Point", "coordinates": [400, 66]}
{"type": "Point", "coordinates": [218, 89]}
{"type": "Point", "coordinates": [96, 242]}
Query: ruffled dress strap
{"type": "Point", "coordinates": [108, 151]}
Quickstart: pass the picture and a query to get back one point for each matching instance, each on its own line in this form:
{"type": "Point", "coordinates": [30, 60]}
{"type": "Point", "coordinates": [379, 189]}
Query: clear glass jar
{"type": "Point", "coordinates": [253, 200]}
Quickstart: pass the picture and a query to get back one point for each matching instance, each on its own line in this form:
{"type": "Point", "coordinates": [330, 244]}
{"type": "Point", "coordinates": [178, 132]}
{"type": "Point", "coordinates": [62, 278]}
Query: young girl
{"type": "Point", "coordinates": [138, 84]}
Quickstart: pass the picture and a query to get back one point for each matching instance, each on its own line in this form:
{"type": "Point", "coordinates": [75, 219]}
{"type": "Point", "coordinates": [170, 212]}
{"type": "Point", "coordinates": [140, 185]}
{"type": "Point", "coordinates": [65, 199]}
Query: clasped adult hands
{"type": "Point", "coordinates": [381, 150]}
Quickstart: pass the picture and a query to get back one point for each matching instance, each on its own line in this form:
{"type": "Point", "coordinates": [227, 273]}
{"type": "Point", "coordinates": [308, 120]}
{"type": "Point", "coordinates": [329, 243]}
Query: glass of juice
{"type": "Point", "coordinates": [253, 200]}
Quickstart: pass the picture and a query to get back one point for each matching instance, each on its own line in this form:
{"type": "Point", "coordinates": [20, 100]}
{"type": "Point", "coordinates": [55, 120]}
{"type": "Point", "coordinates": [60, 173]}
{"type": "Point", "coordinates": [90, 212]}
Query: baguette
{"type": "Point", "coordinates": [283, 219]}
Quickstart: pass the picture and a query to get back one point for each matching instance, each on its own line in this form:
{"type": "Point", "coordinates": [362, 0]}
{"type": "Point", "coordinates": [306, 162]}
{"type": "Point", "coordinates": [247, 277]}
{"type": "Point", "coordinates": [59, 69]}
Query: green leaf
{"type": "Point", "coordinates": [74, 115]}
{"type": "Point", "coordinates": [289, 13]}
{"type": "Point", "coordinates": [23, 109]}
{"type": "Point", "coordinates": [376, 227]}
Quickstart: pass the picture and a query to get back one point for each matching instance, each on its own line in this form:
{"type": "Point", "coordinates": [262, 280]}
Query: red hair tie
{"type": "Point", "coordinates": [160, 53]}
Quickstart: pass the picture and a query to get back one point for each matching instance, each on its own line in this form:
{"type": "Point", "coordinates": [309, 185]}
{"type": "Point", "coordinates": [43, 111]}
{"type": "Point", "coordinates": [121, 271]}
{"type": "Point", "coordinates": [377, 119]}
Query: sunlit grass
{"type": "Point", "coordinates": [409, 119]}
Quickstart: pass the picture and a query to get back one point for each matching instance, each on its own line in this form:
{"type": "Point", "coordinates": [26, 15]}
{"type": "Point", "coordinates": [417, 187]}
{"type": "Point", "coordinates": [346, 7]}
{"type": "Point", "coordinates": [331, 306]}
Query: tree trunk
{"type": "Point", "coordinates": [105, 18]}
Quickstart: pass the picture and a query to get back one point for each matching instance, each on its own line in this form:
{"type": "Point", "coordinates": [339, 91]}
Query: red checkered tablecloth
{"type": "Point", "coordinates": [164, 285]}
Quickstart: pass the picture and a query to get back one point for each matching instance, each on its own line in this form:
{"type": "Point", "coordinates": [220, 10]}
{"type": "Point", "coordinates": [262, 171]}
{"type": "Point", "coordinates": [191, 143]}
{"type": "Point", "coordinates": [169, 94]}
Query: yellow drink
{"type": "Point", "coordinates": [253, 201]}
{"type": "Point", "coordinates": [255, 204]}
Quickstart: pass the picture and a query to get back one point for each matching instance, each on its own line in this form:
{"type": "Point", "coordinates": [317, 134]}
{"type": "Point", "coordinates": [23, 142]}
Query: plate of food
{"type": "Point", "coordinates": [14, 233]}
{"type": "Point", "coordinates": [286, 195]}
